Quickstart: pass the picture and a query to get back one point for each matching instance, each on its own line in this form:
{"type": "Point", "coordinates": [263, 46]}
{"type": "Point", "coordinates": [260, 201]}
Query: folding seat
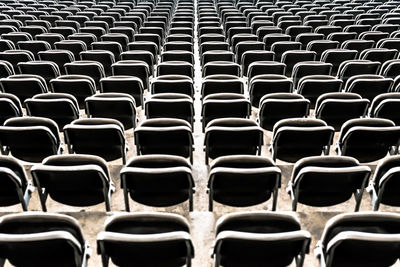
{"type": "Point", "coordinates": [243, 180]}
{"type": "Point", "coordinates": [113, 47]}
{"type": "Point", "coordinates": [216, 55]}
{"type": "Point", "coordinates": [307, 68]}
{"type": "Point", "coordinates": [148, 37]}
{"type": "Point", "coordinates": [342, 36]}
{"type": "Point", "coordinates": [43, 239]}
{"type": "Point", "coordinates": [95, 30]}
{"type": "Point", "coordinates": [357, 44]}
{"type": "Point", "coordinates": [68, 22]}
{"type": "Point", "coordinates": [328, 29]}
{"type": "Point", "coordinates": [46, 69]}
{"type": "Point", "coordinates": [10, 107]}
{"type": "Point", "coordinates": [105, 57]}
{"type": "Point", "coordinates": [59, 107]}
{"type": "Point", "coordinates": [75, 46]}
{"type": "Point", "coordinates": [361, 238]}
{"type": "Point", "coordinates": [282, 46]}
{"type": "Point", "coordinates": [342, 22]}
{"type": "Point", "coordinates": [23, 86]}
{"type": "Point", "coordinates": [153, 30]}
{"type": "Point", "coordinates": [16, 37]}
{"type": "Point", "coordinates": [245, 46]}
{"type": "Point", "coordinates": [277, 106]}
{"type": "Point", "coordinates": [129, 85]}
{"type": "Point", "coordinates": [385, 106]}
{"type": "Point", "coordinates": [294, 31]}
{"type": "Point", "coordinates": [96, 136]}
{"type": "Point", "coordinates": [87, 38]}
{"type": "Point", "coordinates": [170, 105]}
{"type": "Point", "coordinates": [381, 135]}
{"type": "Point", "coordinates": [320, 46]}
{"type": "Point", "coordinates": [6, 69]}
{"type": "Point", "coordinates": [64, 31]}
{"type": "Point", "coordinates": [79, 86]}
{"type": "Point", "coordinates": [369, 86]}
{"type": "Point", "coordinates": [359, 29]}
{"type": "Point", "coordinates": [6, 45]}
{"type": "Point", "coordinates": [51, 18]}
{"type": "Point", "coordinates": [337, 57]}
{"type": "Point", "coordinates": [271, 38]}
{"type": "Point", "coordinates": [389, 43]}
{"type": "Point", "coordinates": [224, 105]}
{"type": "Point", "coordinates": [51, 38]}
{"type": "Point", "coordinates": [213, 84]}
{"type": "Point", "coordinates": [142, 55]}
{"type": "Point", "coordinates": [34, 46]}
{"type": "Point", "coordinates": [241, 37]}
{"type": "Point", "coordinates": [128, 31]}
{"type": "Point", "coordinates": [254, 238]}
{"type": "Point", "coordinates": [291, 58]}
{"type": "Point", "coordinates": [337, 108]}
{"type": "Point", "coordinates": [390, 68]}
{"type": "Point", "coordinates": [237, 30]}
{"type": "Point", "coordinates": [221, 67]}
{"type": "Point", "coordinates": [164, 136]}
{"type": "Point", "coordinates": [164, 236]}
{"type": "Point", "coordinates": [176, 68]}
{"type": "Point", "coordinates": [205, 30]}
{"type": "Point", "coordinates": [158, 181]}
{"type": "Point", "coordinates": [178, 45]}
{"type": "Point", "coordinates": [261, 85]}
{"type": "Point", "coordinates": [316, 137]}
{"type": "Point", "coordinates": [209, 46]}
{"type": "Point", "coordinates": [379, 54]}
{"type": "Point", "coordinates": [322, 181]}
{"type": "Point", "coordinates": [181, 37]}
{"type": "Point", "coordinates": [120, 38]}
{"type": "Point", "coordinates": [30, 138]}
{"type": "Point", "coordinates": [373, 35]}
{"type": "Point", "coordinates": [93, 69]}
{"type": "Point", "coordinates": [232, 136]}
{"type": "Point", "coordinates": [306, 38]}
{"type": "Point", "coordinates": [252, 56]}
{"type": "Point", "coordinates": [135, 68]}
{"type": "Point", "coordinates": [74, 180]}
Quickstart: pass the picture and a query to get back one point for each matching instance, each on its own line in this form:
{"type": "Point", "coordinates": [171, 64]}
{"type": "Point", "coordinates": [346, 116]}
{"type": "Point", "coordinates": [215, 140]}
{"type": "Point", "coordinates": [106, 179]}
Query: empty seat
{"type": "Point", "coordinates": [277, 106]}
{"type": "Point", "coordinates": [97, 136]}
{"type": "Point", "coordinates": [307, 68]}
{"type": "Point", "coordinates": [254, 238]}
{"type": "Point", "coordinates": [15, 186]}
{"type": "Point", "coordinates": [337, 108]}
{"type": "Point", "coordinates": [176, 68]}
{"type": "Point", "coordinates": [294, 139]}
{"type": "Point", "coordinates": [130, 85]}
{"type": "Point", "coordinates": [369, 86]}
{"type": "Point", "coordinates": [243, 180]}
{"type": "Point", "coordinates": [322, 181]}
{"type": "Point", "coordinates": [337, 56]}
{"type": "Point", "coordinates": [46, 69]}
{"type": "Point", "coordinates": [224, 105]}
{"type": "Point", "coordinates": [75, 180]}
{"type": "Point", "coordinates": [104, 57]}
{"type": "Point", "coordinates": [232, 136]}
{"type": "Point", "coordinates": [261, 85]}
{"type": "Point", "coordinates": [80, 86]}
{"type": "Point", "coordinates": [44, 239]}
{"type": "Point", "coordinates": [23, 86]}
{"type": "Point", "coordinates": [173, 84]}
{"type": "Point", "coordinates": [118, 106]}
{"type": "Point", "coordinates": [221, 84]}
{"type": "Point", "coordinates": [221, 67]}
{"type": "Point", "coordinates": [158, 181]}
{"type": "Point", "coordinates": [379, 54]}
{"type": "Point", "coordinates": [319, 46]}
{"type": "Point", "coordinates": [135, 68]}
{"type": "Point", "coordinates": [368, 139]}
{"type": "Point", "coordinates": [158, 239]}
{"type": "Point", "coordinates": [93, 69]}
{"type": "Point", "coordinates": [164, 136]}
{"type": "Point", "coordinates": [362, 238]}
{"type": "Point", "coordinates": [60, 57]}
{"type": "Point", "coordinates": [60, 107]}
{"type": "Point", "coordinates": [6, 69]}
{"type": "Point", "coordinates": [291, 58]}
{"type": "Point", "coordinates": [34, 46]}
{"type": "Point", "coordinates": [10, 107]}
{"type": "Point", "coordinates": [385, 106]}
{"type": "Point", "coordinates": [30, 138]}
